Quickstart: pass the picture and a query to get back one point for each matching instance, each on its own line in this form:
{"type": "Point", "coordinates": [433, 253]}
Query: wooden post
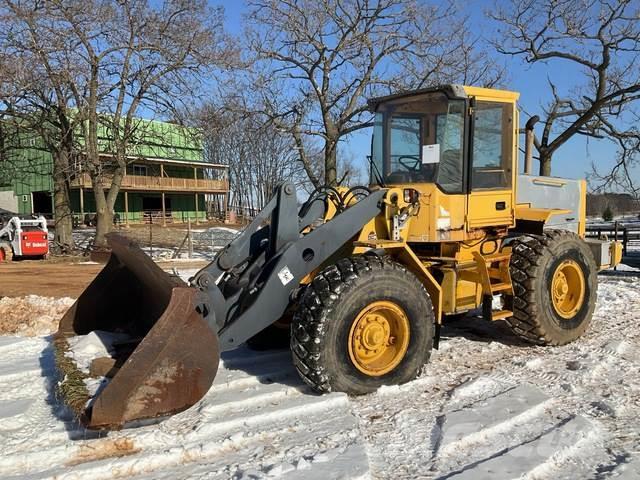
{"type": "Point", "coordinates": [164, 220]}
{"type": "Point", "coordinates": [615, 237]}
{"type": "Point", "coordinates": [151, 236]}
{"type": "Point", "coordinates": [161, 171]}
{"type": "Point", "coordinates": [226, 204]}
{"type": "Point", "coordinates": [195, 185]}
{"type": "Point", "coordinates": [82, 204]}
{"type": "Point", "coordinates": [196, 197]}
{"type": "Point", "coordinates": [126, 208]}
{"type": "Point", "coordinates": [190, 243]}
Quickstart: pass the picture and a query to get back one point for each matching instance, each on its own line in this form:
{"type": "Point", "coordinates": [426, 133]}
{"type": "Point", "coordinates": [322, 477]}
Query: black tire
{"type": "Point", "coordinates": [534, 261]}
{"type": "Point", "coordinates": [7, 252]}
{"type": "Point", "coordinates": [320, 329]}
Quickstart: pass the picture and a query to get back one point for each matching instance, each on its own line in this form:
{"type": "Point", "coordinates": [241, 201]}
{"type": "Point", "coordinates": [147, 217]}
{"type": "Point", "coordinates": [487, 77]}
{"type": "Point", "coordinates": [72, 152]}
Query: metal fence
{"type": "Point", "coordinates": [627, 233]}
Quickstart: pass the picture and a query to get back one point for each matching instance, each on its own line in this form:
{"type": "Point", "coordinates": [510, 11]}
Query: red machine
{"type": "Point", "coordinates": [25, 238]}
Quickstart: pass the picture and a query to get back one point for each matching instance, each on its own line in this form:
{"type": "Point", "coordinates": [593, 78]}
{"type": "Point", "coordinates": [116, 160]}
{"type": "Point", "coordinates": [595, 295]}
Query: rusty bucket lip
{"type": "Point", "coordinates": [177, 339]}
{"type": "Point", "coordinates": [114, 414]}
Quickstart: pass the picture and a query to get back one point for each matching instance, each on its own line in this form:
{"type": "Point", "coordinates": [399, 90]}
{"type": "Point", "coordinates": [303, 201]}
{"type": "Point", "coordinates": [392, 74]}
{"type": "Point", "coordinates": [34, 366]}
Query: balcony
{"type": "Point", "coordinates": [159, 184]}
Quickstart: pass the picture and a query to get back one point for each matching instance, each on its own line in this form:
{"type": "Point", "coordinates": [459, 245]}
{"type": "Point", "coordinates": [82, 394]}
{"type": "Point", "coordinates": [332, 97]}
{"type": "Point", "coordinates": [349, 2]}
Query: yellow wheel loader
{"type": "Point", "coordinates": [366, 275]}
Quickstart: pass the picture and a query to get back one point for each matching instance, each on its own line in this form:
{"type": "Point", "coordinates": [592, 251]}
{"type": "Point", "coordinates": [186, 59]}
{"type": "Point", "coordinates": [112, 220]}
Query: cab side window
{"type": "Point", "coordinates": [492, 151]}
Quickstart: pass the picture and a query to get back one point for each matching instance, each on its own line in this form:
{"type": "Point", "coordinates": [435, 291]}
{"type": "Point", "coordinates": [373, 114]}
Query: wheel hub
{"type": "Point", "coordinates": [568, 289]}
{"type": "Point", "coordinates": [379, 338]}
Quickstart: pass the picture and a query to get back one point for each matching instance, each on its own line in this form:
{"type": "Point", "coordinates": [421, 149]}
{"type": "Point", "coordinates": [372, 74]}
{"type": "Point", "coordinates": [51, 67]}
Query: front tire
{"type": "Point", "coordinates": [6, 253]}
{"type": "Point", "coordinates": [554, 280]}
{"type": "Point", "coordinates": [363, 322]}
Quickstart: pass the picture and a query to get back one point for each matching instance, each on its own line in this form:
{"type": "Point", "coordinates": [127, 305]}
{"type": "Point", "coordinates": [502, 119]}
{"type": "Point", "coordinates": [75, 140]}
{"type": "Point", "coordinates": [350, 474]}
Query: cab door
{"type": "Point", "coordinates": [491, 152]}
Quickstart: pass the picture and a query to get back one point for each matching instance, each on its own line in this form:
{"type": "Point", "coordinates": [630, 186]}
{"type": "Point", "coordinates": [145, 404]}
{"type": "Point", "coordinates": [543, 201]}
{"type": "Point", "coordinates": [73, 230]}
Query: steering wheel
{"type": "Point", "coordinates": [411, 167]}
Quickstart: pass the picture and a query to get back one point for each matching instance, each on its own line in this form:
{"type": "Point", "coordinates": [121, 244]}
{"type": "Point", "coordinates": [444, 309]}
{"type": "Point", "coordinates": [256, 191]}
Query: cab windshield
{"type": "Point", "coordinates": [420, 141]}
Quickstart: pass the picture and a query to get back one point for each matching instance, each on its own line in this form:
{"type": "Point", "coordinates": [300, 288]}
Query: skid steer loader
{"type": "Point", "coordinates": [447, 225]}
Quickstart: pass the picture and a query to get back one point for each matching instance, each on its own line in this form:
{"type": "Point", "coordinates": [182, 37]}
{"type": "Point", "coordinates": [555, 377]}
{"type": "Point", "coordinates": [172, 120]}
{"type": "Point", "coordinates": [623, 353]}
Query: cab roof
{"type": "Point", "coordinates": [452, 91]}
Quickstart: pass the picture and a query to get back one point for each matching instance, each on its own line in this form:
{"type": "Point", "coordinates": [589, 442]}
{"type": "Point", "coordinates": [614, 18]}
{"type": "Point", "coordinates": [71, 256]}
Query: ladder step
{"type": "Point", "coordinates": [498, 287]}
{"type": "Point", "coordinates": [501, 314]}
{"type": "Point", "coordinates": [497, 258]}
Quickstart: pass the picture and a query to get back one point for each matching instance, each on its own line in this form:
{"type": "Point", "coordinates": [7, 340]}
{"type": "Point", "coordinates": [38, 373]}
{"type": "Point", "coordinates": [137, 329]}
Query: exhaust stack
{"type": "Point", "coordinates": [529, 140]}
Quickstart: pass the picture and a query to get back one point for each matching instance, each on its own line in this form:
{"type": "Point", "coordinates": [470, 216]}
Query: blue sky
{"type": "Point", "coordinates": [572, 160]}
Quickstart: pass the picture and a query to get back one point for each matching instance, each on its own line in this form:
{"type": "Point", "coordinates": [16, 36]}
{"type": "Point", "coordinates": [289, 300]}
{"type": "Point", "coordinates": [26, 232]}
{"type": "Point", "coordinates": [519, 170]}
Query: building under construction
{"type": "Point", "coordinates": [166, 180]}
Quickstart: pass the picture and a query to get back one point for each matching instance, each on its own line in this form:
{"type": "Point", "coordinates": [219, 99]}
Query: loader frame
{"type": "Point", "coordinates": [254, 279]}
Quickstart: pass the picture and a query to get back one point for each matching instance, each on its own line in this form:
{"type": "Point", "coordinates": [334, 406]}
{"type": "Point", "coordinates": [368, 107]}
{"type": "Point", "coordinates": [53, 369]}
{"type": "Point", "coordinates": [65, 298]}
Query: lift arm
{"type": "Point", "coordinates": [251, 282]}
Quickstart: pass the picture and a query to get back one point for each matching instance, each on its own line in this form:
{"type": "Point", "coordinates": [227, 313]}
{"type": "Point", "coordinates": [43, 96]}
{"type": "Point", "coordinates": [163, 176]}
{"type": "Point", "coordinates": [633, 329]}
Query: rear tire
{"type": "Point", "coordinates": [554, 280]}
{"type": "Point", "coordinates": [333, 318]}
{"type": "Point", "coordinates": [6, 253]}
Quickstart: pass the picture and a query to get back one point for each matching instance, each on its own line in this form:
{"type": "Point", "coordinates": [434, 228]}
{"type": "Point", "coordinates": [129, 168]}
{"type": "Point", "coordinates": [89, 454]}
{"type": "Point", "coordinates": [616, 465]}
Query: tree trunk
{"type": "Point", "coordinates": [104, 215]}
{"type": "Point", "coordinates": [545, 164]}
{"type": "Point", "coordinates": [330, 162]}
{"type": "Point", "coordinates": [63, 215]}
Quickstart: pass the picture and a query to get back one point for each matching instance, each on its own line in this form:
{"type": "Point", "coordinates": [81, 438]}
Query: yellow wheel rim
{"type": "Point", "coordinates": [568, 289]}
{"type": "Point", "coordinates": [379, 338]}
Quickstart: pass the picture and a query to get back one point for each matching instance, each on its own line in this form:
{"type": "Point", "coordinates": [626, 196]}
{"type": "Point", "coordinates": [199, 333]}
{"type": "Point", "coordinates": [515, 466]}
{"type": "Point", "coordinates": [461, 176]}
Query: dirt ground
{"type": "Point", "coordinates": [33, 277]}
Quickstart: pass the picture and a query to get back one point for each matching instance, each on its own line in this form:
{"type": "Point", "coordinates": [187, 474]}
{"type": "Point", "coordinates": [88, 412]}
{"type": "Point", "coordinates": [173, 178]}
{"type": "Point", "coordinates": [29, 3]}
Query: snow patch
{"type": "Point", "coordinates": [83, 349]}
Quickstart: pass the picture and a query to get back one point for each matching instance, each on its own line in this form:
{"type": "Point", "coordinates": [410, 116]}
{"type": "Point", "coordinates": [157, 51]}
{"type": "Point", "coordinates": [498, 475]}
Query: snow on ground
{"type": "Point", "coordinates": [206, 243]}
{"type": "Point", "coordinates": [97, 344]}
{"type": "Point", "coordinates": [485, 407]}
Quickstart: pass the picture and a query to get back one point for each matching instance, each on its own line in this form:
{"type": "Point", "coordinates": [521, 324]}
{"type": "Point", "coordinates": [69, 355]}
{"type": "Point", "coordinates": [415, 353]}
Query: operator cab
{"type": "Point", "coordinates": [451, 136]}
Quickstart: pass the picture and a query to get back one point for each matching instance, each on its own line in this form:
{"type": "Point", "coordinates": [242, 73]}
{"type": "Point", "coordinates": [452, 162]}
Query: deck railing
{"type": "Point", "coordinates": [159, 184]}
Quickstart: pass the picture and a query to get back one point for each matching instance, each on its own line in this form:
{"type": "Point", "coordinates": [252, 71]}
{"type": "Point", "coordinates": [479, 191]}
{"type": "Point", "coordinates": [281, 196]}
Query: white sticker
{"type": "Point", "coordinates": [285, 275]}
{"type": "Point", "coordinates": [431, 153]}
{"type": "Point", "coordinates": [443, 223]}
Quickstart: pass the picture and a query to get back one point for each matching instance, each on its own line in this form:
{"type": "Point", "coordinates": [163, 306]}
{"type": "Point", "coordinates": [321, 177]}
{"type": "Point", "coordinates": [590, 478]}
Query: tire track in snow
{"type": "Point", "coordinates": [257, 413]}
{"type": "Point", "coordinates": [591, 380]}
{"type": "Point", "coordinates": [266, 423]}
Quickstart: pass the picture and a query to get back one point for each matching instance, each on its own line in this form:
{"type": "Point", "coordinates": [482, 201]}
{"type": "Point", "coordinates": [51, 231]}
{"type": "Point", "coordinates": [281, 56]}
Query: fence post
{"type": "Point", "coordinates": [625, 239]}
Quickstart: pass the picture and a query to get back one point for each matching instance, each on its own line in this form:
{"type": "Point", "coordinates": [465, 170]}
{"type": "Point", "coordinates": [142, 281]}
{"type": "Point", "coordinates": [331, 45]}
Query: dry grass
{"type": "Point", "coordinates": [31, 315]}
{"type": "Point", "coordinates": [71, 389]}
{"type": "Point", "coordinates": [103, 448]}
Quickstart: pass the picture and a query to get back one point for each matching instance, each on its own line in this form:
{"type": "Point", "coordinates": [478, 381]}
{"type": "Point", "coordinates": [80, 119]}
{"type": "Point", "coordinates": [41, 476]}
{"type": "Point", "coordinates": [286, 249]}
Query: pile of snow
{"type": "Point", "coordinates": [83, 349]}
{"type": "Point", "coordinates": [32, 315]}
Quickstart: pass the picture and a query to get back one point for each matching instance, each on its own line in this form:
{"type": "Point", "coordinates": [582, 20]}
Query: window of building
{"type": "Point", "coordinates": [141, 170]}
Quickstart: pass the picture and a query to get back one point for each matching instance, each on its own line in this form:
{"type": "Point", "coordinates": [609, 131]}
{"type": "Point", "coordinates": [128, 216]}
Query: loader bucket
{"type": "Point", "coordinates": [171, 357]}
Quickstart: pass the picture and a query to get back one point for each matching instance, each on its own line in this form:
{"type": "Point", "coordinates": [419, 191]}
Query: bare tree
{"type": "Point", "coordinates": [139, 57]}
{"type": "Point", "coordinates": [318, 61]}
{"type": "Point", "coordinates": [623, 175]}
{"type": "Point", "coordinates": [259, 156]}
{"type": "Point", "coordinates": [36, 63]}
{"type": "Point", "coordinates": [113, 62]}
{"type": "Point", "coordinates": [597, 39]}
